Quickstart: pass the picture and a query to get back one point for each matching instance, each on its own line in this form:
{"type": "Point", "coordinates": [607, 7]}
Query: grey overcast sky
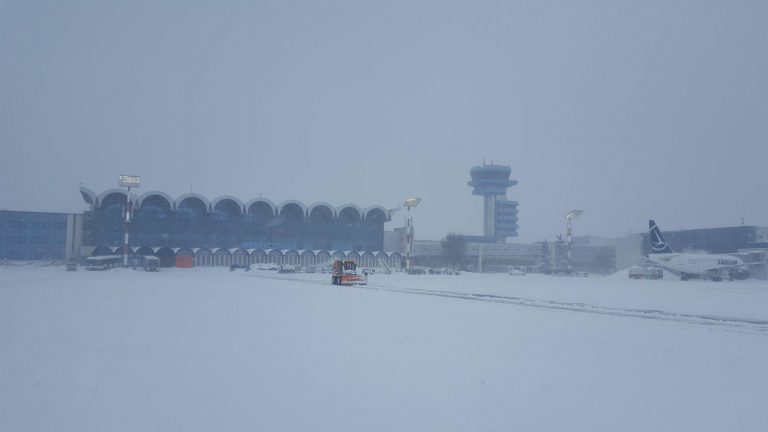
{"type": "Point", "coordinates": [629, 110]}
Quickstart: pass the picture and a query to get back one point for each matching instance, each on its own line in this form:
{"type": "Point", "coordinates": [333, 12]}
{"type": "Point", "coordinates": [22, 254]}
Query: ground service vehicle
{"type": "Point", "coordinates": [151, 263]}
{"type": "Point", "coordinates": [645, 272]}
{"type": "Point", "coordinates": [344, 272]}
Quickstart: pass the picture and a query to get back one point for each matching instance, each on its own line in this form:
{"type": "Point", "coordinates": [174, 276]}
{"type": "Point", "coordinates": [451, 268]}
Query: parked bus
{"type": "Point", "coordinates": [103, 262]}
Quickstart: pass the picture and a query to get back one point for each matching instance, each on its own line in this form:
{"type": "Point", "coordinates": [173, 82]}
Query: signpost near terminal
{"type": "Point", "coordinates": [127, 181]}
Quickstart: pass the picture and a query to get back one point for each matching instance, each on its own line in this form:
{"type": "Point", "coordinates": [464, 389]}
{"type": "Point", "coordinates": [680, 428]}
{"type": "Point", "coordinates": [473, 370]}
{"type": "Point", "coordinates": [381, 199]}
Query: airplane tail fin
{"type": "Point", "coordinates": [658, 244]}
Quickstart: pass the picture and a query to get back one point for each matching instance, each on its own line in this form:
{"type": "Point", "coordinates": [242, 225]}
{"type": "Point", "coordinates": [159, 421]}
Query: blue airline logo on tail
{"type": "Point", "coordinates": [658, 244]}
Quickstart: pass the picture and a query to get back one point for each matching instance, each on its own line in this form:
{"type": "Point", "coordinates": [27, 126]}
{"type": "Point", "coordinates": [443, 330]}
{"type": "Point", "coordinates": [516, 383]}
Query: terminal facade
{"type": "Point", "coordinates": [227, 230]}
{"type": "Point", "coordinates": [192, 221]}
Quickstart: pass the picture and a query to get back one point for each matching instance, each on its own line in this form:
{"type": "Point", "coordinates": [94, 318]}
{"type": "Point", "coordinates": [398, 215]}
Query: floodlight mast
{"type": "Point", "coordinates": [409, 204]}
{"type": "Point", "coordinates": [573, 214]}
{"type": "Point", "coordinates": [127, 181]}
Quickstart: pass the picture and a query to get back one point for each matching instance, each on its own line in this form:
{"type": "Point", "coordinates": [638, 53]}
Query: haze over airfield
{"type": "Point", "coordinates": [628, 110]}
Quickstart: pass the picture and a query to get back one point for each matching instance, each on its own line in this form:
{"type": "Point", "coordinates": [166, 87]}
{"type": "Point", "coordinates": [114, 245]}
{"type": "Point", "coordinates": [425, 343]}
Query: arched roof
{"type": "Point", "coordinates": [285, 203]}
{"type": "Point", "coordinates": [102, 248]}
{"type": "Point", "coordinates": [109, 192]}
{"type": "Point", "coordinates": [342, 207]}
{"type": "Point", "coordinates": [224, 198]}
{"type": "Point", "coordinates": [248, 205]}
{"type": "Point", "coordinates": [372, 208]}
{"type": "Point", "coordinates": [180, 199]}
{"type": "Point", "coordinates": [89, 196]}
{"type": "Point", "coordinates": [96, 201]}
{"type": "Point", "coordinates": [164, 195]}
{"type": "Point", "coordinates": [165, 251]}
{"type": "Point", "coordinates": [321, 204]}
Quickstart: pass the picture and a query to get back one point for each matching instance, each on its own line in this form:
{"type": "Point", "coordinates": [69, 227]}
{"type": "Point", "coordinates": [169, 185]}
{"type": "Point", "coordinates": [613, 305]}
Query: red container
{"type": "Point", "coordinates": [185, 261]}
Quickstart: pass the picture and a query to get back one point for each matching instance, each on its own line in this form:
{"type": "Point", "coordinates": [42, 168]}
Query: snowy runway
{"type": "Point", "coordinates": [206, 349]}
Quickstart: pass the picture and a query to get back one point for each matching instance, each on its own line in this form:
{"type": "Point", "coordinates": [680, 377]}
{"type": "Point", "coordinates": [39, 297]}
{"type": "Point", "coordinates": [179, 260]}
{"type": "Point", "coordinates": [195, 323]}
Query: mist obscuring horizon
{"type": "Point", "coordinates": [627, 110]}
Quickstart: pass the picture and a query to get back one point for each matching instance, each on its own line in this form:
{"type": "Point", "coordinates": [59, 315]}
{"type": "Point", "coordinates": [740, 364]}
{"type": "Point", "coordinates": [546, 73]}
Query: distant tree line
{"type": "Point", "coordinates": [454, 250]}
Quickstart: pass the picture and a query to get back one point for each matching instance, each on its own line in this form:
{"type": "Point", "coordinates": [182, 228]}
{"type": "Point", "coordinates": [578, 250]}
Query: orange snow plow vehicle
{"type": "Point", "coordinates": [344, 272]}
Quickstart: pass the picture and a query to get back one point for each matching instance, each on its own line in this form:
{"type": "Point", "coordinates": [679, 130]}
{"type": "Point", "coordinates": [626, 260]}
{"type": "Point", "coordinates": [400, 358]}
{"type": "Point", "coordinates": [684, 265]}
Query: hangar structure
{"type": "Point", "coordinates": [192, 221]}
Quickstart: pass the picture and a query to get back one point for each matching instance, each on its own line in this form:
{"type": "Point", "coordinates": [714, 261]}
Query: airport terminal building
{"type": "Point", "coordinates": [225, 229]}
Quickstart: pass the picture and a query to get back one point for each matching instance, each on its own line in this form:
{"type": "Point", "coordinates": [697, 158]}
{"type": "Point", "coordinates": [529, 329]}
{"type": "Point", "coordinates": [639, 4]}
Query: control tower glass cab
{"type": "Point", "coordinates": [499, 214]}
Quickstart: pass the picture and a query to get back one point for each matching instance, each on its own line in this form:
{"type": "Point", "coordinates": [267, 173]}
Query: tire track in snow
{"type": "Point", "coordinates": [744, 324]}
{"type": "Point", "coordinates": [749, 325]}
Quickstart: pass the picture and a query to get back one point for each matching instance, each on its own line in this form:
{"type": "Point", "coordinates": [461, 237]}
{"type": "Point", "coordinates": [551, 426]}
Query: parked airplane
{"type": "Point", "coordinates": [690, 266]}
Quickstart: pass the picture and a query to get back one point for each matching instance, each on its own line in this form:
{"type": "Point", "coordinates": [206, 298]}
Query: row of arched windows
{"type": "Point", "coordinates": [192, 221]}
{"type": "Point", "coordinates": [193, 205]}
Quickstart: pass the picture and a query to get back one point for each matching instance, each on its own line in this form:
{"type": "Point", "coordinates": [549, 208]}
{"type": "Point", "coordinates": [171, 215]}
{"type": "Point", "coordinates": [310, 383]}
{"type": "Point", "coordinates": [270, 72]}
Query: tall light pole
{"type": "Point", "coordinates": [409, 204]}
{"type": "Point", "coordinates": [129, 182]}
{"type": "Point", "coordinates": [573, 214]}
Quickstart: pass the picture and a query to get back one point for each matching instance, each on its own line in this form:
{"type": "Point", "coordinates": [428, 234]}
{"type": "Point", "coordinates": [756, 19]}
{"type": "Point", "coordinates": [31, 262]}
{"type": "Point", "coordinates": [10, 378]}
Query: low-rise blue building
{"type": "Point", "coordinates": [38, 236]}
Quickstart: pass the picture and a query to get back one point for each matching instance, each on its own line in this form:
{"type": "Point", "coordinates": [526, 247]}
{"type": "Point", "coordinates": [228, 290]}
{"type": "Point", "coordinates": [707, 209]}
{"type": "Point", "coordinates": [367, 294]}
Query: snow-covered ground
{"type": "Point", "coordinates": [208, 349]}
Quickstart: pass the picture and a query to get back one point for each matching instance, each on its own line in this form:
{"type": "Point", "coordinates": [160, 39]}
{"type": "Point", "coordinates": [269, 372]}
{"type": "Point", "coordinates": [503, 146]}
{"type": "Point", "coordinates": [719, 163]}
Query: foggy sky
{"type": "Point", "coordinates": [627, 110]}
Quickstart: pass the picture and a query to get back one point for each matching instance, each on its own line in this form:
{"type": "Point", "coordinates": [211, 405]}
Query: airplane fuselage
{"type": "Point", "coordinates": [715, 267]}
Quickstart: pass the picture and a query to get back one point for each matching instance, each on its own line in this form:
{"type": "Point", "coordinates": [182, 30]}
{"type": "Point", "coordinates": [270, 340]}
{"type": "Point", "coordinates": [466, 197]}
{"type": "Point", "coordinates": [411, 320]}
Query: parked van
{"type": "Point", "coordinates": [151, 263]}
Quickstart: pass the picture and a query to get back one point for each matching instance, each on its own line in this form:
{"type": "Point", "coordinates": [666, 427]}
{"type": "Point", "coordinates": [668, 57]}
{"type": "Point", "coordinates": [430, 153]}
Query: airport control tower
{"type": "Point", "coordinates": [499, 215]}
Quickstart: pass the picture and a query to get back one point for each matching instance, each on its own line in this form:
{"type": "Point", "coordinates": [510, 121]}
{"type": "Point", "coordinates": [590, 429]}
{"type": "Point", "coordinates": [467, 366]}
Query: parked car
{"type": "Point", "coordinates": [416, 271]}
